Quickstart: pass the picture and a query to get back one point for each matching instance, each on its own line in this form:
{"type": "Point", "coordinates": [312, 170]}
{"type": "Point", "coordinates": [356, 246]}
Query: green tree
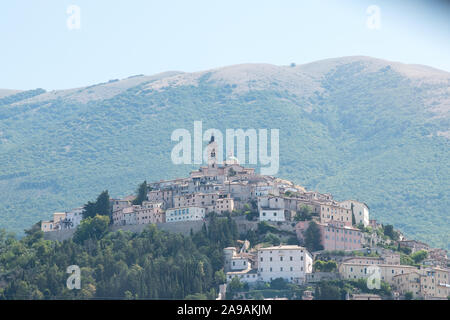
{"type": "Point", "coordinates": [390, 232]}
{"type": "Point", "coordinates": [89, 210]}
{"type": "Point", "coordinates": [219, 277]}
{"type": "Point", "coordinates": [197, 296]}
{"type": "Point", "coordinates": [313, 239]}
{"type": "Point", "coordinates": [327, 291]}
{"type": "Point", "coordinates": [141, 194]}
{"type": "Point", "coordinates": [406, 260]}
{"type": "Point", "coordinates": [419, 256]}
{"type": "Point", "coordinates": [278, 284]}
{"type": "Point", "coordinates": [325, 266]}
{"type": "Point", "coordinates": [408, 295]}
{"type": "Point", "coordinates": [304, 213]}
{"type": "Point", "coordinates": [235, 285]}
{"type": "Point", "coordinates": [91, 228]}
{"type": "Point", "coordinates": [318, 265]}
{"type": "Point", "coordinates": [330, 266]}
{"type": "Point", "coordinates": [101, 206]}
{"type": "Point", "coordinates": [272, 239]}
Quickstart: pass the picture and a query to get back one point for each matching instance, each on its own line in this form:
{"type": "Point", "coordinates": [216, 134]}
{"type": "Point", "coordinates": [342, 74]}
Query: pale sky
{"type": "Point", "coordinates": [117, 39]}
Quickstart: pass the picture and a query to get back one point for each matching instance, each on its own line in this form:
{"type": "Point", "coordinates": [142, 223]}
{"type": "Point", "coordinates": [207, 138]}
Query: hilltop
{"type": "Point", "coordinates": [355, 126]}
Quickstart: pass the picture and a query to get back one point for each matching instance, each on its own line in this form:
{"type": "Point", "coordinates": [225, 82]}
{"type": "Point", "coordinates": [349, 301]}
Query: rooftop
{"type": "Point", "coordinates": [284, 247]}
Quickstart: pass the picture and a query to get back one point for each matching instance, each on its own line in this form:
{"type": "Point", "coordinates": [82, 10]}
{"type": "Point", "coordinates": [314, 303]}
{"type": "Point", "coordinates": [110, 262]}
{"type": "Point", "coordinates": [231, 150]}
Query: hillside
{"type": "Point", "coordinates": [356, 127]}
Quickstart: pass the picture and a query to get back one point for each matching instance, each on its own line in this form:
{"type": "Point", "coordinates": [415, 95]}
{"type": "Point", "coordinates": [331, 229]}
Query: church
{"type": "Point", "coordinates": [218, 172]}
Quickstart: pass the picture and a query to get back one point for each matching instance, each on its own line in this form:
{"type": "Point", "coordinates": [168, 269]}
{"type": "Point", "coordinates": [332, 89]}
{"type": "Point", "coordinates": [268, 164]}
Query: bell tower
{"type": "Point", "coordinates": [212, 150]}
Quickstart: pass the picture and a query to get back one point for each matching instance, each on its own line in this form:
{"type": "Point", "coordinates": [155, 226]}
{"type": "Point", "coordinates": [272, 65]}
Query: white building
{"type": "Point", "coordinates": [235, 261]}
{"type": "Point", "coordinates": [73, 218]}
{"type": "Point", "coordinates": [271, 215]}
{"type": "Point", "coordinates": [239, 264]}
{"type": "Point", "coordinates": [185, 214]}
{"type": "Point", "coordinates": [272, 202]}
{"type": "Point", "coordinates": [248, 275]}
{"type": "Point", "coordinates": [289, 262]}
{"type": "Point", "coordinates": [360, 211]}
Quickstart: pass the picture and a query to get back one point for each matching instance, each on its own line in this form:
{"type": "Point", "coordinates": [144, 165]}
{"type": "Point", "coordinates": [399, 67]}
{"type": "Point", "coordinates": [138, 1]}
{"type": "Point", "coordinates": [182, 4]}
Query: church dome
{"type": "Point", "coordinates": [232, 160]}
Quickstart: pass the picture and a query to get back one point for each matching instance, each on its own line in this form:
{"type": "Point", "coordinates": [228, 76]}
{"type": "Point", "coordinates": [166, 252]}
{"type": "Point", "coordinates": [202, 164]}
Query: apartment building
{"type": "Point", "coordinates": [196, 199]}
{"type": "Point", "coordinates": [362, 271]}
{"type": "Point", "coordinates": [334, 212]}
{"type": "Point", "coordinates": [271, 215]}
{"type": "Point", "coordinates": [335, 235]}
{"type": "Point", "coordinates": [247, 275]}
{"type": "Point", "coordinates": [271, 208]}
{"type": "Point", "coordinates": [191, 213]}
{"type": "Point", "coordinates": [414, 245]}
{"type": "Point", "coordinates": [73, 218]}
{"type": "Point", "coordinates": [264, 190]}
{"type": "Point", "coordinates": [150, 212]}
{"type": "Point", "coordinates": [129, 215]}
{"type": "Point", "coordinates": [119, 204]}
{"type": "Point", "coordinates": [55, 224]}
{"type": "Point", "coordinates": [360, 211]}
{"type": "Point", "coordinates": [234, 261]}
{"type": "Point", "coordinates": [271, 202]}
{"type": "Point", "coordinates": [426, 283]}
{"type": "Point", "coordinates": [165, 196]}
{"type": "Point", "coordinates": [222, 205]}
{"type": "Point", "coordinates": [289, 262]}
{"type": "Point", "coordinates": [365, 260]}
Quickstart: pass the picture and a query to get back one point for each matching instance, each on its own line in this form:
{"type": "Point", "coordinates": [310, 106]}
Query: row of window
{"type": "Point", "coordinates": [365, 270]}
{"type": "Point", "coordinates": [181, 218]}
{"type": "Point", "coordinates": [180, 212]}
{"type": "Point", "coordinates": [344, 231]}
{"type": "Point", "coordinates": [281, 251]}
{"type": "Point", "coordinates": [281, 258]}
{"type": "Point", "coordinates": [281, 269]}
{"type": "Point", "coordinates": [273, 214]}
{"type": "Point", "coordinates": [344, 239]}
{"type": "Point", "coordinates": [333, 210]}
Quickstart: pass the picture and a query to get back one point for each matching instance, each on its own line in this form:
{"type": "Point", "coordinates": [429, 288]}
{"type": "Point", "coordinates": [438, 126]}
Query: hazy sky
{"type": "Point", "coordinates": [117, 39]}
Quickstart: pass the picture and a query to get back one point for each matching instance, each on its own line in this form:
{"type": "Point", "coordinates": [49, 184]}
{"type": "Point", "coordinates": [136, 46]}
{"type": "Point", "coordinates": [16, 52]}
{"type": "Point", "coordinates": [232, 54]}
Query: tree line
{"type": "Point", "coordinates": [151, 265]}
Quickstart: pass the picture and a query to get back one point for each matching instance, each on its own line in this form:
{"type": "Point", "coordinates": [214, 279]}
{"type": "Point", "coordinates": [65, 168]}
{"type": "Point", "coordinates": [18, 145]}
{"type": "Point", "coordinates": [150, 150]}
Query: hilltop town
{"type": "Point", "coordinates": [308, 237]}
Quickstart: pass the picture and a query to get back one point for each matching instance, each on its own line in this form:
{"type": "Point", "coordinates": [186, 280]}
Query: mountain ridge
{"type": "Point", "coordinates": [353, 126]}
